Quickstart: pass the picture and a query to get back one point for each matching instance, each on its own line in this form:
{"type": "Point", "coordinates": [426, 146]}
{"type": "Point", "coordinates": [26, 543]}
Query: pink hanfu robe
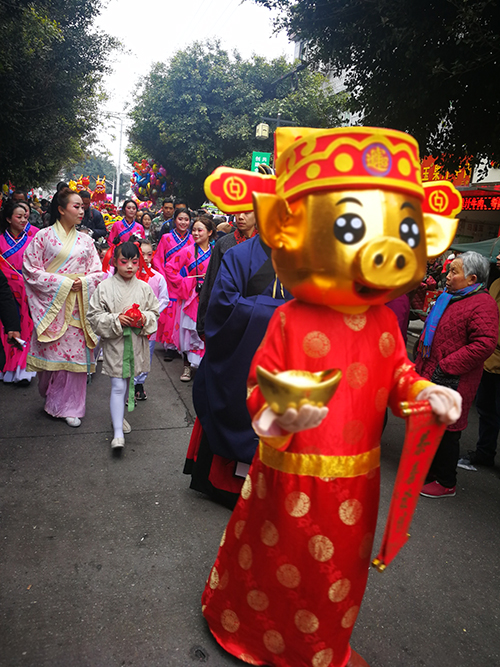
{"type": "Point", "coordinates": [12, 251]}
{"type": "Point", "coordinates": [62, 338]}
{"type": "Point", "coordinates": [184, 273]}
{"type": "Point", "coordinates": [169, 247]}
{"type": "Point", "coordinates": [293, 563]}
{"type": "Point", "coordinates": [125, 230]}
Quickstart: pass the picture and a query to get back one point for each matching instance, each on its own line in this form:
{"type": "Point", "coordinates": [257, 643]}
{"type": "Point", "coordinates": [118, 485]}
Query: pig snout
{"type": "Point", "coordinates": [386, 263]}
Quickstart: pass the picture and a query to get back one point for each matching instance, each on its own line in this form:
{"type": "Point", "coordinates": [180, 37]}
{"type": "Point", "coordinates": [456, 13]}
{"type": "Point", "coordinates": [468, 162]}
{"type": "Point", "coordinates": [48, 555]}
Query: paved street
{"type": "Point", "coordinates": [104, 560]}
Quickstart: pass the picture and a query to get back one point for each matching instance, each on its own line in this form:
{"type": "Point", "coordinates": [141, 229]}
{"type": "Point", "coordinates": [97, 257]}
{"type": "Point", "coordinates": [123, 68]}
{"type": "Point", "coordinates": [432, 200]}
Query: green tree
{"type": "Point", "coordinates": [429, 67]}
{"type": "Point", "coordinates": [200, 110]}
{"type": "Point", "coordinates": [51, 65]}
{"type": "Point", "coordinates": [94, 165]}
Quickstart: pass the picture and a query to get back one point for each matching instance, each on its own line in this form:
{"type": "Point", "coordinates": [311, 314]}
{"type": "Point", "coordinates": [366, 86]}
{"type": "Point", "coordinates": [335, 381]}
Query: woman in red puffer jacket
{"type": "Point", "coordinates": [460, 333]}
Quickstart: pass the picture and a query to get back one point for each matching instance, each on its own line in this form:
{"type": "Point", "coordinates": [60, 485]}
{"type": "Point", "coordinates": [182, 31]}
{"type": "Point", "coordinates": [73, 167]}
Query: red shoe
{"type": "Point", "coordinates": [437, 490]}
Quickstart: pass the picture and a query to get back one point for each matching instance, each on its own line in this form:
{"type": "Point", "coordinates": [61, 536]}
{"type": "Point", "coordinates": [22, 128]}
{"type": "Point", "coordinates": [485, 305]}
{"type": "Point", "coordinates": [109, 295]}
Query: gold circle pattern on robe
{"type": "Point", "coordinates": [316, 344]}
{"type": "Point", "coordinates": [349, 617]}
{"type": "Point", "coordinates": [322, 658]}
{"type": "Point", "coordinates": [260, 486]}
{"type": "Point", "coordinates": [245, 557]}
{"type": "Point", "coordinates": [306, 621]}
{"type": "Point", "coordinates": [350, 511]}
{"type": "Point", "coordinates": [269, 534]}
{"type": "Point", "coordinates": [288, 575]}
{"type": "Point", "coordinates": [229, 620]}
{"type": "Point", "coordinates": [357, 375]}
{"type": "Point", "coordinates": [386, 344]}
{"type": "Point", "coordinates": [246, 489]}
{"type": "Point", "coordinates": [238, 528]}
{"type": "Point", "coordinates": [339, 590]}
{"type": "Point", "coordinates": [258, 600]}
{"type": "Point", "coordinates": [297, 503]}
{"type": "Point", "coordinates": [320, 548]}
{"type": "Point", "coordinates": [274, 641]}
{"type": "Point", "coordinates": [355, 322]}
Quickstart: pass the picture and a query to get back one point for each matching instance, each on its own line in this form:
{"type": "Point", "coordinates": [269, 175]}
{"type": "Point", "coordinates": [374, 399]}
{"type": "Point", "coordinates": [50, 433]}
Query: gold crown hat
{"type": "Point", "coordinates": [313, 160]}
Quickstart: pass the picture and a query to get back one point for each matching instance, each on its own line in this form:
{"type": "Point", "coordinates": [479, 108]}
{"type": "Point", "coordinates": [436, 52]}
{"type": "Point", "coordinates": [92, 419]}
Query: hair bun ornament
{"type": "Point", "coordinates": [107, 258]}
{"type": "Point", "coordinates": [144, 272]}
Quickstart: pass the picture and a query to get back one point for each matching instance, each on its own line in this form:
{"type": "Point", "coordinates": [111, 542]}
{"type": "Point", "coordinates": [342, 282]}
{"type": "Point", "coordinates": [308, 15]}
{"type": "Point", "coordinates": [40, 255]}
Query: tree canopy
{"type": "Point", "coordinates": [200, 110]}
{"type": "Point", "coordinates": [429, 67]}
{"type": "Point", "coordinates": [51, 64]}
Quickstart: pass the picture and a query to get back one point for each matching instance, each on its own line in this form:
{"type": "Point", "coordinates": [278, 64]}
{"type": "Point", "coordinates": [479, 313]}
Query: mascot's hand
{"type": "Point", "coordinates": [292, 421]}
{"type": "Point", "coordinates": [445, 403]}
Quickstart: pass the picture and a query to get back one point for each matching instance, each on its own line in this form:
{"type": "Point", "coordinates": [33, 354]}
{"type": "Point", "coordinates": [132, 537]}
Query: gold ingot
{"type": "Point", "coordinates": [292, 388]}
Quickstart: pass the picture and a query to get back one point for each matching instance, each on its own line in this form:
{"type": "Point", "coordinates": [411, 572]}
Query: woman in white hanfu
{"type": "Point", "coordinates": [62, 270]}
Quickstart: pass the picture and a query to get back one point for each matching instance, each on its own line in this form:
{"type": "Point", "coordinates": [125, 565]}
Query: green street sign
{"type": "Point", "coordinates": [260, 158]}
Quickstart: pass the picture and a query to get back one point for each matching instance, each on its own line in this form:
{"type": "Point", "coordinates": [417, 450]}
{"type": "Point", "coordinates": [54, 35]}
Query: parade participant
{"type": "Point", "coordinates": [61, 268]}
{"type": "Point", "coordinates": [92, 218]}
{"type": "Point", "coordinates": [350, 227]}
{"type": "Point", "coordinates": [8, 317]}
{"type": "Point", "coordinates": [16, 234]}
{"type": "Point", "coordinates": [460, 333]}
{"type": "Point", "coordinates": [185, 274]}
{"type": "Point", "coordinates": [124, 339]}
{"type": "Point", "coordinates": [166, 216]}
{"type": "Point", "coordinates": [168, 247]}
{"type": "Point", "coordinates": [35, 219]}
{"type": "Point", "coordinates": [169, 225]}
{"type": "Point", "coordinates": [159, 286]}
{"type": "Point", "coordinates": [125, 228]}
{"type": "Point", "coordinates": [245, 295]}
{"type": "Point", "coordinates": [146, 222]}
{"type": "Point", "coordinates": [245, 229]}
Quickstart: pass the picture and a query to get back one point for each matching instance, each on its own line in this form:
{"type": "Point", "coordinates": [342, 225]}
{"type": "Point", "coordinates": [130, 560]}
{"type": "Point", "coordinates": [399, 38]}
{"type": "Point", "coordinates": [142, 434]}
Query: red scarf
{"type": "Point", "coordinates": [240, 237]}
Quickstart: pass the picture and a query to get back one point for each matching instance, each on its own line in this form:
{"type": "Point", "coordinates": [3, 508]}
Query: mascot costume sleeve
{"type": "Point", "coordinates": [351, 227]}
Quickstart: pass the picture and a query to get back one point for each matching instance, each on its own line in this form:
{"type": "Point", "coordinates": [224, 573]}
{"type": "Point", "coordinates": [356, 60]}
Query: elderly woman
{"type": "Point", "coordinates": [460, 333]}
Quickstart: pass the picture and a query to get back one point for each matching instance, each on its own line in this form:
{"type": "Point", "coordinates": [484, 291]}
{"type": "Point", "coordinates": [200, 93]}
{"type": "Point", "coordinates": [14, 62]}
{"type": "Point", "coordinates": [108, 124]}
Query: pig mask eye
{"type": "Point", "coordinates": [409, 232]}
{"type": "Point", "coordinates": [349, 228]}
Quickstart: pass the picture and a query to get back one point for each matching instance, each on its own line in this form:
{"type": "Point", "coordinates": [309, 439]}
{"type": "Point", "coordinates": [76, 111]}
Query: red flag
{"type": "Point", "coordinates": [422, 438]}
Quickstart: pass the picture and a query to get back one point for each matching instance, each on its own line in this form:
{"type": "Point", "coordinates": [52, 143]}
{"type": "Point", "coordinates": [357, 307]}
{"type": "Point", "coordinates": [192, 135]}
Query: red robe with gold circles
{"type": "Point", "coordinates": [291, 571]}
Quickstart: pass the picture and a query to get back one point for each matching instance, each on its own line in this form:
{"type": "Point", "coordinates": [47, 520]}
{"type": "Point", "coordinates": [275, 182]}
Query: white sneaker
{"type": "Point", "coordinates": [117, 443]}
{"type": "Point", "coordinates": [73, 421]}
{"type": "Point", "coordinates": [186, 374]}
{"type": "Point", "coordinates": [126, 426]}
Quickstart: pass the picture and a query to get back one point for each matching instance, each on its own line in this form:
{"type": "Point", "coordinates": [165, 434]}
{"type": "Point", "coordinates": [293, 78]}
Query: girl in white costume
{"type": "Point", "coordinates": [124, 342]}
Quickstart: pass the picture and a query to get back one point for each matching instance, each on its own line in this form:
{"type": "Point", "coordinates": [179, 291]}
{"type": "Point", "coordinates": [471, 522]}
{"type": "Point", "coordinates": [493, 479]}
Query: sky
{"type": "Point", "coordinates": [154, 31]}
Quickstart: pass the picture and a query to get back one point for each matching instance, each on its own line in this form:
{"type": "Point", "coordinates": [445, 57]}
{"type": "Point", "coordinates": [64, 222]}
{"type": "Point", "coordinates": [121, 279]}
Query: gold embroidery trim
{"type": "Point", "coordinates": [317, 465]}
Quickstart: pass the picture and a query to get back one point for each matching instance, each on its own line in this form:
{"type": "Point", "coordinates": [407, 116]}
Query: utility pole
{"type": "Point", "coordinates": [116, 185]}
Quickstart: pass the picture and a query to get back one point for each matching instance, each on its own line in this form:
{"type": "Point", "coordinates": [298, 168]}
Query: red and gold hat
{"type": "Point", "coordinates": [312, 160]}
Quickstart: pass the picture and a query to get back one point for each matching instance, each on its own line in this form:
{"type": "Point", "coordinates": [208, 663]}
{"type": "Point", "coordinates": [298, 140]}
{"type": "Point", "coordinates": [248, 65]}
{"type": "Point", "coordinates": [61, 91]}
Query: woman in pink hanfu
{"type": "Point", "coordinates": [186, 275]}
{"type": "Point", "coordinates": [62, 269]}
{"type": "Point", "coordinates": [169, 247]}
{"type": "Point", "coordinates": [124, 229]}
{"type": "Point", "coordinates": [16, 234]}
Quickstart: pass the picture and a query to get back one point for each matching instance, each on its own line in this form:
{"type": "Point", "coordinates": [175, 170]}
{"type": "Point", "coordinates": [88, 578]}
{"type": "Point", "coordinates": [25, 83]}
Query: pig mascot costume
{"type": "Point", "coordinates": [350, 227]}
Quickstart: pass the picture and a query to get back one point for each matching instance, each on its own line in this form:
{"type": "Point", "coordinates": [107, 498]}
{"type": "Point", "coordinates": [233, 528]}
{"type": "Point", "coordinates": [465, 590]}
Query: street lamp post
{"type": "Point", "coordinates": [116, 185]}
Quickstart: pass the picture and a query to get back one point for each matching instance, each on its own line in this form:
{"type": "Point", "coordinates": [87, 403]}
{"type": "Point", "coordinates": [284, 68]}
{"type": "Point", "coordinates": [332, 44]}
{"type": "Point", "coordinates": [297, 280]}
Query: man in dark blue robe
{"type": "Point", "coordinates": [246, 293]}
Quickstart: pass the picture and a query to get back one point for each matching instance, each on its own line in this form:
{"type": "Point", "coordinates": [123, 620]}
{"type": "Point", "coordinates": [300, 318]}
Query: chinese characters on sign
{"type": "Point", "coordinates": [260, 158]}
{"type": "Point", "coordinates": [481, 203]}
{"type": "Point", "coordinates": [433, 172]}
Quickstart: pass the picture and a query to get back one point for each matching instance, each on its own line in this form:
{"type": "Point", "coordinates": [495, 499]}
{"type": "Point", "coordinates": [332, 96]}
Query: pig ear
{"type": "Point", "coordinates": [439, 233]}
{"type": "Point", "coordinates": [272, 213]}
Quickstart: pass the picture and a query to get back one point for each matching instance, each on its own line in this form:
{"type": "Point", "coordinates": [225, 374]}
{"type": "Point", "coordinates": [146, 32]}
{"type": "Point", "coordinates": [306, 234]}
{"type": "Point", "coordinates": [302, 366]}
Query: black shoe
{"type": "Point", "coordinates": [169, 355]}
{"type": "Point", "coordinates": [140, 394]}
{"type": "Point", "coordinates": [477, 459]}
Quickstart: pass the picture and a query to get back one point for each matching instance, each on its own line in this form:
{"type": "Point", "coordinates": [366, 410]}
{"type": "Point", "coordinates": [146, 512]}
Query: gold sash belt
{"type": "Point", "coordinates": [317, 465]}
